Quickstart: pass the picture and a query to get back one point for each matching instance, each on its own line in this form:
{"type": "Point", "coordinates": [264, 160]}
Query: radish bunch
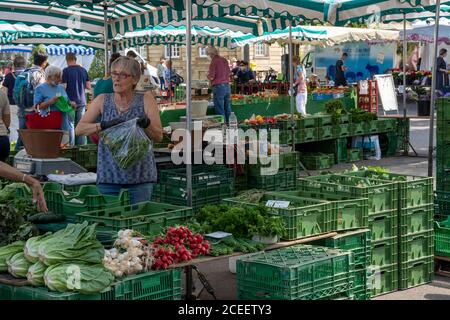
{"type": "Point", "coordinates": [179, 245]}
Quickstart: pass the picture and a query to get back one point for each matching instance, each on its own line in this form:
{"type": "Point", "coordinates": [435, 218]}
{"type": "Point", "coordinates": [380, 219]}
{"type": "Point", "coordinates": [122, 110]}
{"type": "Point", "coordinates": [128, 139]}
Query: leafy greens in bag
{"type": "Point", "coordinates": [127, 142]}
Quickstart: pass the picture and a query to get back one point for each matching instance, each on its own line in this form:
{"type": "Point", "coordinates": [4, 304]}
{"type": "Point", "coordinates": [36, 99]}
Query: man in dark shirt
{"type": "Point", "coordinates": [10, 78]}
{"type": "Point", "coordinates": [340, 71]}
{"type": "Point", "coordinates": [77, 80]}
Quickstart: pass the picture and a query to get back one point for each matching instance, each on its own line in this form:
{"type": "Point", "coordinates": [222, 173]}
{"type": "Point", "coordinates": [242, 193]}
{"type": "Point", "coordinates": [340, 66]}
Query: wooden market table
{"type": "Point", "coordinates": [189, 266]}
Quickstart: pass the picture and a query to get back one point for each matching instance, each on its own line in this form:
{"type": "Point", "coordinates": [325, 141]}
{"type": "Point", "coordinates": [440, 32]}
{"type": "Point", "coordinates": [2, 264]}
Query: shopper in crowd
{"type": "Point", "coordinates": [300, 85]}
{"type": "Point", "coordinates": [37, 77]}
{"type": "Point", "coordinates": [5, 122]}
{"type": "Point", "coordinates": [105, 85]}
{"type": "Point", "coordinates": [76, 80]}
{"type": "Point", "coordinates": [47, 94]}
{"type": "Point", "coordinates": [161, 71]}
{"type": "Point", "coordinates": [114, 108]}
{"type": "Point", "coordinates": [313, 82]}
{"type": "Point", "coordinates": [340, 71]}
{"type": "Point", "coordinates": [8, 68]}
{"type": "Point", "coordinates": [245, 74]}
{"type": "Point", "coordinates": [441, 71]}
{"type": "Point", "coordinates": [219, 76]}
{"type": "Point", "coordinates": [10, 79]}
{"type": "Point", "coordinates": [10, 173]}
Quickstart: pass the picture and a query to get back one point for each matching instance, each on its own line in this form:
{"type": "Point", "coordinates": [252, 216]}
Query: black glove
{"type": "Point", "coordinates": [143, 122]}
{"type": "Point", "coordinates": [108, 124]}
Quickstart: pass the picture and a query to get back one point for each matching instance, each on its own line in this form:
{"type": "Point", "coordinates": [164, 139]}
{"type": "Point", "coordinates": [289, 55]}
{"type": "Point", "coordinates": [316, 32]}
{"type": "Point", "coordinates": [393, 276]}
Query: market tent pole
{"type": "Point", "coordinates": [188, 102]}
{"type": "Point", "coordinates": [291, 82]}
{"type": "Point", "coordinates": [433, 89]}
{"type": "Point", "coordinates": [105, 15]}
{"type": "Point", "coordinates": [405, 44]}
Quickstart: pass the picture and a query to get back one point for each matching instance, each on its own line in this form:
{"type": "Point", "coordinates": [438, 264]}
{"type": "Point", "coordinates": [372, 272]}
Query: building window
{"type": "Point", "coordinates": [202, 52]}
{"type": "Point", "coordinates": [143, 51]}
{"type": "Point", "coordinates": [260, 50]}
{"type": "Point", "coordinates": [175, 51]}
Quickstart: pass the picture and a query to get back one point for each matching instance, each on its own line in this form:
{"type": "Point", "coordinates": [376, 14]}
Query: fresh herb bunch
{"type": "Point", "coordinates": [336, 108]}
{"type": "Point", "coordinates": [360, 115]}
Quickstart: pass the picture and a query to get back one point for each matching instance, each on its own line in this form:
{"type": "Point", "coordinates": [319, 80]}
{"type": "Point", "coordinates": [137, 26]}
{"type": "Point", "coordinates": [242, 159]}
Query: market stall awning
{"type": "Point", "coordinates": [177, 35]}
{"type": "Point", "coordinates": [63, 50]}
{"type": "Point", "coordinates": [125, 17]}
{"type": "Point", "coordinates": [426, 33]}
{"type": "Point", "coordinates": [326, 36]}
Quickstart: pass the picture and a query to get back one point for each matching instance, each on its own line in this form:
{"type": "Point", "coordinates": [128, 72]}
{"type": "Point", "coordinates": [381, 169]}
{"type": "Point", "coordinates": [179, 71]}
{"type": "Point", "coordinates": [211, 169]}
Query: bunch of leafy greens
{"type": "Point", "coordinates": [360, 115]}
{"type": "Point", "coordinates": [6, 252]}
{"type": "Point", "coordinates": [79, 277]}
{"type": "Point", "coordinates": [18, 265]}
{"type": "Point", "coordinates": [239, 221]}
{"type": "Point", "coordinates": [336, 108]}
{"type": "Point", "coordinates": [13, 214]}
{"type": "Point", "coordinates": [75, 243]}
{"type": "Point", "coordinates": [35, 275]}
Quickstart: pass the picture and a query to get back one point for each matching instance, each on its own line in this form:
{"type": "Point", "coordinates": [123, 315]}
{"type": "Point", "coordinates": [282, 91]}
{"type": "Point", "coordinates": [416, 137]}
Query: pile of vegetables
{"type": "Point", "coordinates": [229, 245]}
{"type": "Point", "coordinates": [336, 108]}
{"type": "Point", "coordinates": [179, 245]}
{"type": "Point", "coordinates": [127, 142]}
{"type": "Point", "coordinates": [360, 115]}
{"type": "Point", "coordinates": [241, 222]}
{"type": "Point", "coordinates": [67, 260]}
{"type": "Point", "coordinates": [130, 255]}
{"type": "Point", "coordinates": [14, 213]}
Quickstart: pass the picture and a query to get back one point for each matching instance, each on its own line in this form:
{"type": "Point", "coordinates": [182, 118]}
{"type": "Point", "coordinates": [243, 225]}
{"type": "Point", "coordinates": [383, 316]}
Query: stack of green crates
{"type": "Point", "coordinates": [276, 172]}
{"type": "Point", "coordinates": [415, 225]}
{"type": "Point", "coordinates": [441, 205]}
{"type": "Point", "coordinates": [210, 184]}
{"type": "Point", "coordinates": [358, 242]}
{"type": "Point", "coordinates": [317, 161]}
{"type": "Point", "coordinates": [298, 272]}
{"type": "Point", "coordinates": [382, 206]}
{"type": "Point", "coordinates": [443, 145]}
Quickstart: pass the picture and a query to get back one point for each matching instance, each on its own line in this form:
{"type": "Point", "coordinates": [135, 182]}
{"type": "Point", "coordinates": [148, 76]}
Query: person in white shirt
{"type": "Point", "coordinates": [161, 71]}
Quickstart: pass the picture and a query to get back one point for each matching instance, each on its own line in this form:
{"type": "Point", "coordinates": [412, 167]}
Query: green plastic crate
{"type": "Point", "coordinates": [153, 285]}
{"type": "Point", "coordinates": [361, 289]}
{"type": "Point", "coordinates": [285, 136]}
{"type": "Point", "coordinates": [340, 150]}
{"type": "Point", "coordinates": [274, 163]}
{"type": "Point", "coordinates": [442, 238]}
{"type": "Point", "coordinates": [355, 154]}
{"type": "Point", "coordinates": [357, 241]}
{"type": "Point", "coordinates": [295, 273]}
{"type": "Point", "coordinates": [416, 246]}
{"type": "Point", "coordinates": [416, 272]}
{"type": "Point", "coordinates": [307, 122]}
{"type": "Point", "coordinates": [303, 218]}
{"type": "Point", "coordinates": [306, 135]}
{"type": "Point", "coordinates": [341, 130]}
{"type": "Point", "coordinates": [317, 161]}
{"type": "Point", "coordinates": [442, 108]}
{"type": "Point", "coordinates": [201, 175]}
{"type": "Point", "coordinates": [348, 213]}
{"type": "Point", "coordinates": [383, 225]}
{"type": "Point", "coordinates": [386, 124]}
{"type": "Point", "coordinates": [148, 218]}
{"type": "Point", "coordinates": [413, 190]}
{"type": "Point", "coordinates": [88, 198]}
{"type": "Point", "coordinates": [357, 129]}
{"type": "Point", "coordinates": [370, 126]}
{"type": "Point", "coordinates": [383, 280]}
{"type": "Point", "coordinates": [416, 219]}
{"type": "Point", "coordinates": [382, 195]}
{"type": "Point", "coordinates": [283, 180]}
{"type": "Point", "coordinates": [384, 252]}
{"type": "Point", "coordinates": [344, 118]}
{"type": "Point", "coordinates": [325, 132]}
{"type": "Point", "coordinates": [324, 120]}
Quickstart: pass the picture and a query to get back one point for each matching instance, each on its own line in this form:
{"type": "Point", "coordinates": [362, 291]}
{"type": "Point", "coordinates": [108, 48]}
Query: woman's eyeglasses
{"type": "Point", "coordinates": [121, 75]}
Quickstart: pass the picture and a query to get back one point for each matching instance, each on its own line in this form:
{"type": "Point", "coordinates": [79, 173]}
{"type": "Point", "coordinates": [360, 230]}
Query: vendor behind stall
{"type": "Point", "coordinates": [219, 75]}
{"type": "Point", "coordinates": [114, 108]}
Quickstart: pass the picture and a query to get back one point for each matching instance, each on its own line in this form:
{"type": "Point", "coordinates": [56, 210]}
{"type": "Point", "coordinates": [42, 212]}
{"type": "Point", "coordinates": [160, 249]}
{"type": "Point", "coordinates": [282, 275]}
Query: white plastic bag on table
{"type": "Point", "coordinates": [73, 179]}
{"type": "Point", "coordinates": [127, 142]}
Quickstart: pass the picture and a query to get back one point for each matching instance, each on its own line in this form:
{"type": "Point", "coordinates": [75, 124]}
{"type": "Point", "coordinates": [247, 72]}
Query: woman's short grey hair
{"type": "Point", "coordinates": [52, 71]}
{"type": "Point", "coordinates": [130, 64]}
{"type": "Point", "coordinates": [210, 50]}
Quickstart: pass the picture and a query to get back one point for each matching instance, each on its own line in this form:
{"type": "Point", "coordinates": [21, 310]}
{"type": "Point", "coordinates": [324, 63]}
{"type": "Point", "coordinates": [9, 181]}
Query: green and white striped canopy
{"type": "Point", "coordinates": [125, 17]}
{"type": "Point", "coordinates": [177, 35]}
{"type": "Point", "coordinates": [415, 16]}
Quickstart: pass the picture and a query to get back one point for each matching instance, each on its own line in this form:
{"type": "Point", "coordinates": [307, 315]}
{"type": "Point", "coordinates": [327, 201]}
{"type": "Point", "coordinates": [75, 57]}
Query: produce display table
{"type": "Point", "coordinates": [191, 265]}
{"type": "Point", "coordinates": [273, 107]}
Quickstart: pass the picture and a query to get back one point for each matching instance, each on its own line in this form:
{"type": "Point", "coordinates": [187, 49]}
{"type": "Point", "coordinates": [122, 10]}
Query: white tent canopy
{"type": "Point", "coordinates": [57, 55]}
